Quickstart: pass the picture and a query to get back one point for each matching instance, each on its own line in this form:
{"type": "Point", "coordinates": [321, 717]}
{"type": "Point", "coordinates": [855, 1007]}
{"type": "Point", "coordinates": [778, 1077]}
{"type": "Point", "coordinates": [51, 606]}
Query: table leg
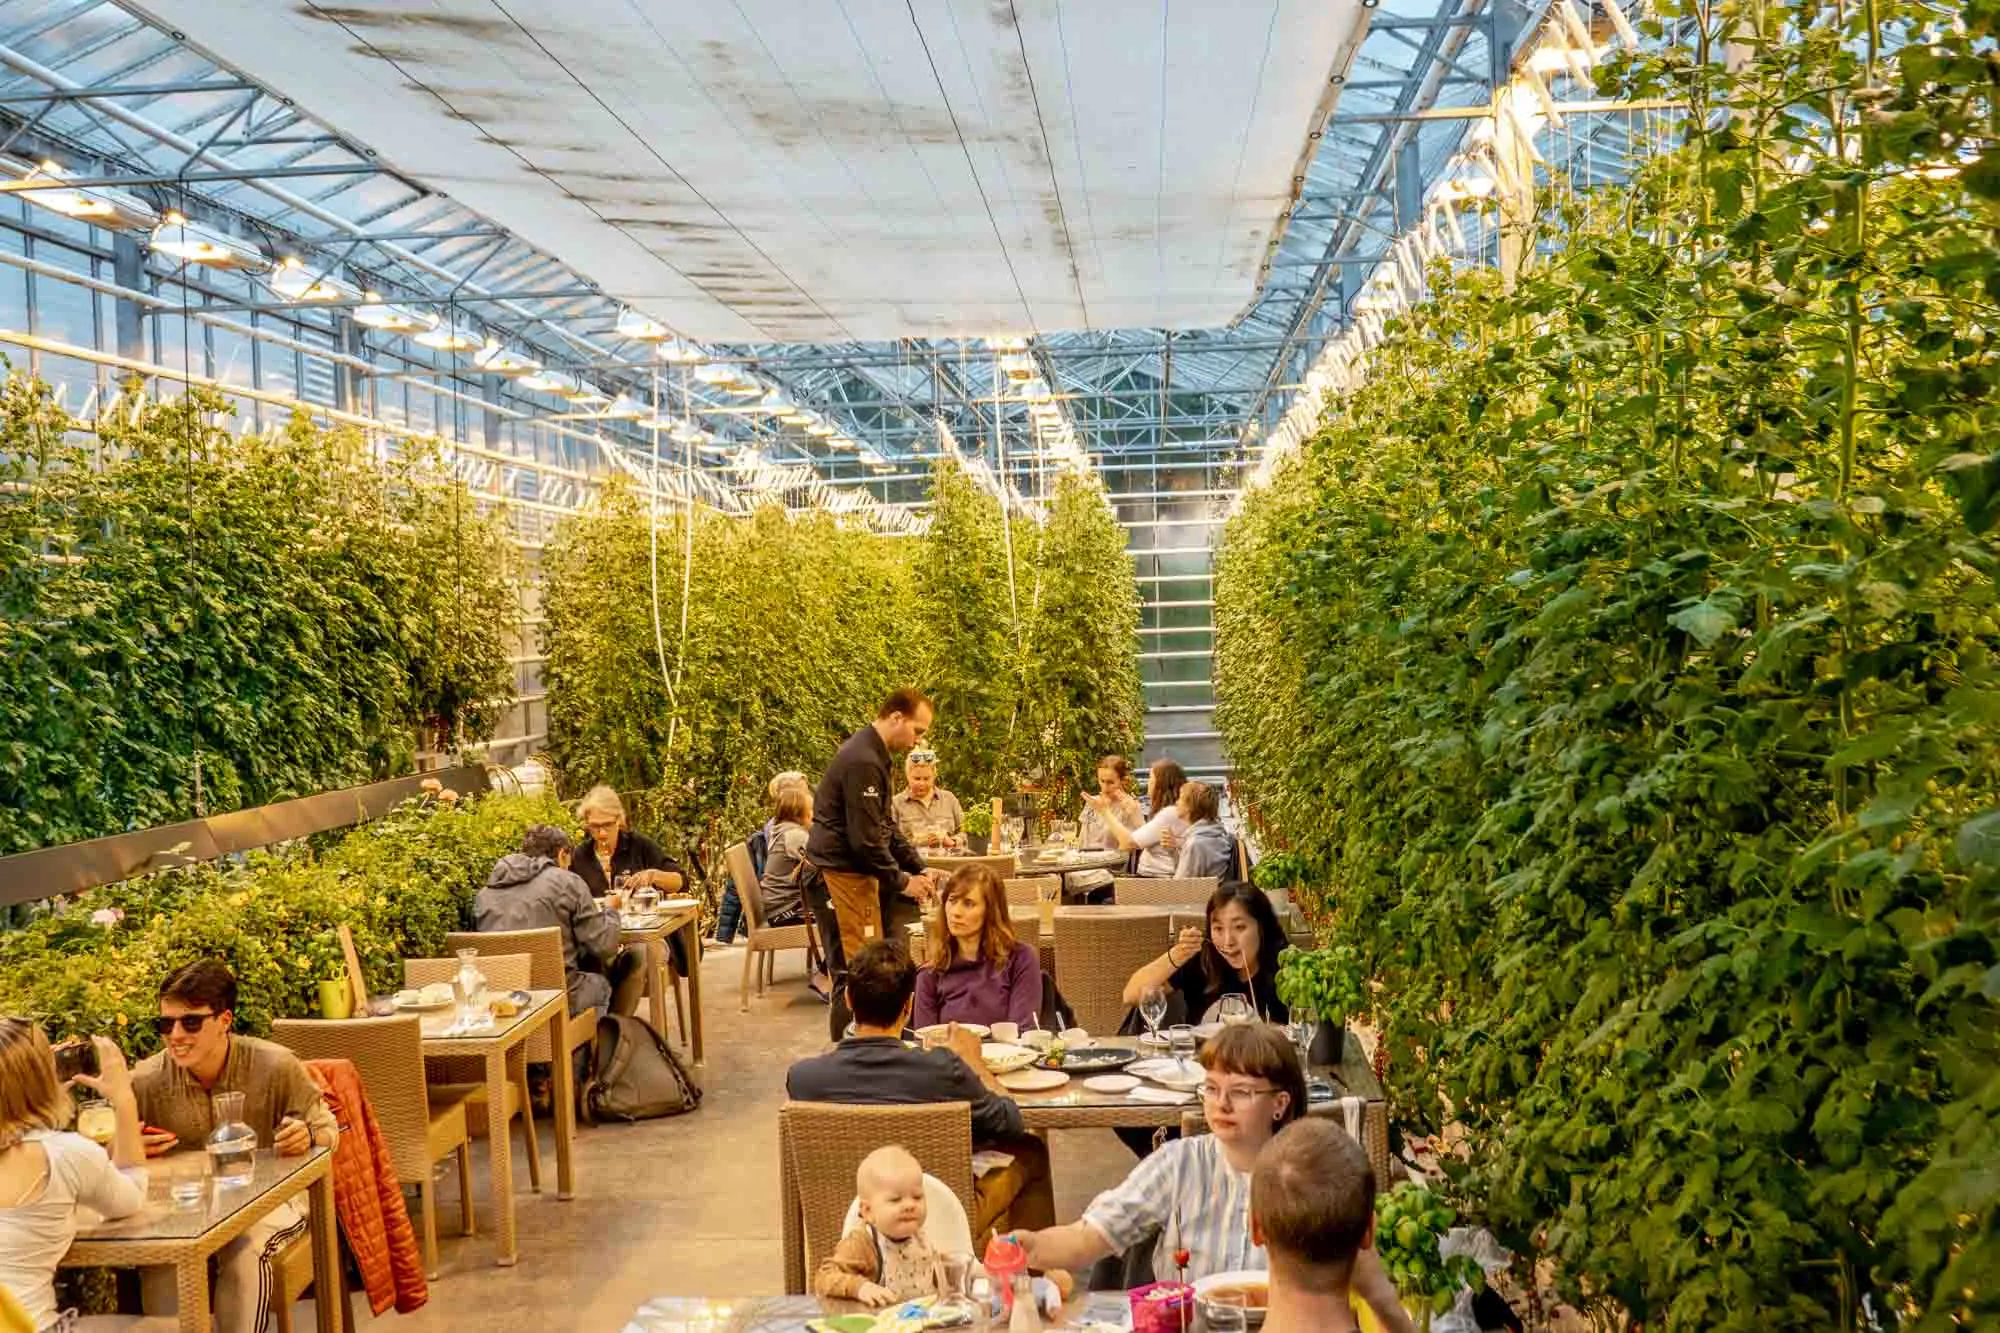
{"type": "Point", "coordinates": [500, 1158]}
{"type": "Point", "coordinates": [328, 1305]}
{"type": "Point", "coordinates": [191, 1289]}
{"type": "Point", "coordinates": [563, 1076]}
{"type": "Point", "coordinates": [691, 936]}
{"type": "Point", "coordinates": [656, 983]}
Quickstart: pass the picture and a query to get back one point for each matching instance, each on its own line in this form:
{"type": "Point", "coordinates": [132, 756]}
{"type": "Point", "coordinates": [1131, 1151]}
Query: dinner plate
{"type": "Point", "coordinates": [1095, 1060]}
{"type": "Point", "coordinates": [420, 1006]}
{"type": "Point", "coordinates": [1180, 1075]}
{"type": "Point", "coordinates": [678, 904]}
{"type": "Point", "coordinates": [1033, 1080]}
{"type": "Point", "coordinates": [1002, 1057]}
{"type": "Point", "coordinates": [1112, 1083]}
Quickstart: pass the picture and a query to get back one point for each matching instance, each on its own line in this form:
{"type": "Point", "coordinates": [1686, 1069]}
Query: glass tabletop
{"type": "Point", "coordinates": [442, 1026]}
{"type": "Point", "coordinates": [165, 1219]}
{"type": "Point", "coordinates": [788, 1314]}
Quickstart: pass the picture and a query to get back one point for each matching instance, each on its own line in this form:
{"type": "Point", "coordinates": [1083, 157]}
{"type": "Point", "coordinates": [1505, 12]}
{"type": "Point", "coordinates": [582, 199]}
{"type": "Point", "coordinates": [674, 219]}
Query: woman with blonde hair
{"type": "Point", "coordinates": [48, 1173]}
{"type": "Point", "coordinates": [976, 971]}
{"type": "Point", "coordinates": [614, 856]}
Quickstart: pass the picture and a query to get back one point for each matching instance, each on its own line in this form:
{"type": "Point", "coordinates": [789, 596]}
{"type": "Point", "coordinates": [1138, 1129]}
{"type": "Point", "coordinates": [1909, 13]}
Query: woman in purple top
{"type": "Point", "coordinates": [976, 971]}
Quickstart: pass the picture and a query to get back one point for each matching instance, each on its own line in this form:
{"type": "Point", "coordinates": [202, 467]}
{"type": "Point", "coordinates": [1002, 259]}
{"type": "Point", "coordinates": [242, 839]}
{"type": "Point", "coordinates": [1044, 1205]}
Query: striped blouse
{"type": "Point", "coordinates": [1185, 1195]}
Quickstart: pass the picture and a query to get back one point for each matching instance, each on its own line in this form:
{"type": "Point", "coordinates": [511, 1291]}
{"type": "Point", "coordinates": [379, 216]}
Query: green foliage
{"type": "Point", "coordinates": [1279, 870]}
{"type": "Point", "coordinates": [1624, 652]}
{"type": "Point", "coordinates": [1410, 1220]}
{"type": "Point", "coordinates": [185, 610]}
{"type": "Point", "coordinates": [1329, 981]}
{"type": "Point", "coordinates": [969, 657]}
{"type": "Point", "coordinates": [1082, 698]}
{"type": "Point", "coordinates": [796, 630]}
{"type": "Point", "coordinates": [400, 884]}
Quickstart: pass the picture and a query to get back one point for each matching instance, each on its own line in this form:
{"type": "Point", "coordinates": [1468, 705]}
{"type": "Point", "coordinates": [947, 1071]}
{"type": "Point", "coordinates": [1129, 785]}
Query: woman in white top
{"type": "Point", "coordinates": [1159, 838]}
{"type": "Point", "coordinates": [48, 1173]}
{"type": "Point", "coordinates": [1193, 1194]}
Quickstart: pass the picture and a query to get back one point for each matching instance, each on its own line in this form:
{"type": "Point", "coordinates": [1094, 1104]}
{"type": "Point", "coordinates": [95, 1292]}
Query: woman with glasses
{"type": "Point", "coordinates": [48, 1173]}
{"type": "Point", "coordinates": [1194, 1193]}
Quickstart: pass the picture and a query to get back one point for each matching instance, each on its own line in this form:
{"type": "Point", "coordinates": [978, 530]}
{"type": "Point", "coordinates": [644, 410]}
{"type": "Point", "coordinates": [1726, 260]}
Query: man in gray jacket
{"type": "Point", "coordinates": [534, 888]}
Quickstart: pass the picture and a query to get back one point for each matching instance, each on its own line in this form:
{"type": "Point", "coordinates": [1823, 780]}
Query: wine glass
{"type": "Point", "coordinates": [1302, 1029]}
{"type": "Point", "coordinates": [1225, 1312]}
{"type": "Point", "coordinates": [1234, 1009]}
{"type": "Point", "coordinates": [1153, 1008]}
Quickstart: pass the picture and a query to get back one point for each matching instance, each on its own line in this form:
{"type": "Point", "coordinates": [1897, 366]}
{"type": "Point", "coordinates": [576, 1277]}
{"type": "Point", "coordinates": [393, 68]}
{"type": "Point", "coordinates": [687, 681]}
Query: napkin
{"type": "Point", "coordinates": [1160, 1096]}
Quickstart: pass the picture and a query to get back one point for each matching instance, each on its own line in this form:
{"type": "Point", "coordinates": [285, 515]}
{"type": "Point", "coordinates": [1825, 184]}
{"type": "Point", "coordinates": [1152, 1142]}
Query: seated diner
{"type": "Point", "coordinates": [1207, 851]}
{"type": "Point", "coordinates": [1312, 1208]}
{"type": "Point", "coordinates": [535, 888]}
{"type": "Point", "coordinates": [1236, 955]}
{"type": "Point", "coordinates": [975, 971]}
{"type": "Point", "coordinates": [1158, 839]}
{"type": "Point", "coordinates": [1193, 1194]}
{"type": "Point", "coordinates": [928, 815]}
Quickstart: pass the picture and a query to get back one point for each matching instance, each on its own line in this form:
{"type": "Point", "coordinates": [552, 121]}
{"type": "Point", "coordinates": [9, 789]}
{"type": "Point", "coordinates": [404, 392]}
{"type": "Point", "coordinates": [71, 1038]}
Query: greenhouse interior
{"type": "Point", "coordinates": [1275, 664]}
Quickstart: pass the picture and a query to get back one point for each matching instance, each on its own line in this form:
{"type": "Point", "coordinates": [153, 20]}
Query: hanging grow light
{"type": "Point", "coordinates": [195, 244]}
{"type": "Point", "coordinates": [547, 381]}
{"type": "Point", "coordinates": [820, 429]}
{"type": "Point", "coordinates": [795, 417]}
{"type": "Point", "coordinates": [447, 336]}
{"type": "Point", "coordinates": [583, 393]}
{"type": "Point", "coordinates": [295, 282]}
{"type": "Point", "coordinates": [113, 209]}
{"type": "Point", "coordinates": [393, 318]}
{"type": "Point", "coordinates": [624, 407]}
{"type": "Point", "coordinates": [497, 360]}
{"type": "Point", "coordinates": [680, 351]}
{"type": "Point", "coordinates": [632, 324]}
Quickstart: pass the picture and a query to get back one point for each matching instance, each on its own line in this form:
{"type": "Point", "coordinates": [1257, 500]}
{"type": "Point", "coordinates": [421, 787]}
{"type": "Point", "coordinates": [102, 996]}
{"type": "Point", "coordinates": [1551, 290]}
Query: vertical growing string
{"type": "Point", "coordinates": [198, 802]}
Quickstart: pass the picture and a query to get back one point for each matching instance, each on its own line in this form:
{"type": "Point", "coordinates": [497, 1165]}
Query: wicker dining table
{"type": "Point", "coordinates": [501, 1046]}
{"type": "Point", "coordinates": [184, 1236]}
{"type": "Point", "coordinates": [685, 922]}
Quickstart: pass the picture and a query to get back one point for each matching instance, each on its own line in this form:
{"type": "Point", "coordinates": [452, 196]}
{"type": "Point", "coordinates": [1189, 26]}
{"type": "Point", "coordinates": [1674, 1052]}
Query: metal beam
{"type": "Point", "coordinates": [88, 94]}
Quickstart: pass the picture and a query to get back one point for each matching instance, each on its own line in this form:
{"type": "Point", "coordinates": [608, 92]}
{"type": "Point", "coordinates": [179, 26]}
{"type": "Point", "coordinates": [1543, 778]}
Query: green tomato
{"type": "Point", "coordinates": [1441, 1301]}
{"type": "Point", "coordinates": [1406, 1232]}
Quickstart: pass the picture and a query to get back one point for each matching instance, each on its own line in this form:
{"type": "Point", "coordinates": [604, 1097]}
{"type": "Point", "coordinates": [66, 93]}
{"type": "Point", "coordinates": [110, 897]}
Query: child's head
{"type": "Point", "coordinates": [890, 1185]}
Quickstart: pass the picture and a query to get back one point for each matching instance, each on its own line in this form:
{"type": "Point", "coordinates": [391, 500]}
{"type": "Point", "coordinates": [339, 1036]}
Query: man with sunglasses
{"type": "Point", "coordinates": [205, 1056]}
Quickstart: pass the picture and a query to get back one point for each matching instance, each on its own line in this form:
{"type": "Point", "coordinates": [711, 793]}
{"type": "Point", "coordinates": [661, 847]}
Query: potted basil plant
{"type": "Point", "coordinates": [1329, 984]}
{"type": "Point", "coordinates": [979, 827]}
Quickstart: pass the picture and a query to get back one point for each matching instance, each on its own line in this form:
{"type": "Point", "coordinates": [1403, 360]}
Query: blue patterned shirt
{"type": "Point", "coordinates": [1184, 1196]}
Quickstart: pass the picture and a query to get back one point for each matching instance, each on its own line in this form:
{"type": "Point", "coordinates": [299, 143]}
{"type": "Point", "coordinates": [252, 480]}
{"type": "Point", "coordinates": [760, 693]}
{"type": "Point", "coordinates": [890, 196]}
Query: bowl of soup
{"type": "Point", "coordinates": [1249, 1289]}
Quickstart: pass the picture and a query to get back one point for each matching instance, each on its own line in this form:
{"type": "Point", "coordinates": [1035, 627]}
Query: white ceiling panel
{"type": "Point", "coordinates": [810, 170]}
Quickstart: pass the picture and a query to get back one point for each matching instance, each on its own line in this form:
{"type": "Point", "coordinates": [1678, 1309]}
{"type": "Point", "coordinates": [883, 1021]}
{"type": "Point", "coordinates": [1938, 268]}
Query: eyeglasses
{"type": "Point", "coordinates": [189, 1023]}
{"type": "Point", "coordinates": [1231, 1098]}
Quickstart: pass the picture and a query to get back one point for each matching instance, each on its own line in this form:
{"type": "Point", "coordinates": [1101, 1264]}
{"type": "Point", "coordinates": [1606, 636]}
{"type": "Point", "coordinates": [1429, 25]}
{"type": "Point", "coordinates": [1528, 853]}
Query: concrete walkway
{"type": "Point", "coordinates": [680, 1207]}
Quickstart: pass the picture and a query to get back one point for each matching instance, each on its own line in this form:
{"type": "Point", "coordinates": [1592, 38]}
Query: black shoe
{"type": "Point", "coordinates": [821, 989]}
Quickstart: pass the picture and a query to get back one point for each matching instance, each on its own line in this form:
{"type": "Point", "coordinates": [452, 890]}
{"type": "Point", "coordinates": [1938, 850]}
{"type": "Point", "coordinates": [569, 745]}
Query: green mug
{"type": "Point", "coordinates": [336, 999]}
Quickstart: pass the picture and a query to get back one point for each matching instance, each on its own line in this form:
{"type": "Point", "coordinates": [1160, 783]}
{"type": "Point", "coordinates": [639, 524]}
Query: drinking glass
{"type": "Point", "coordinates": [96, 1121]}
{"type": "Point", "coordinates": [1235, 1008]}
{"type": "Point", "coordinates": [1181, 1041]}
{"type": "Point", "coordinates": [646, 901]}
{"type": "Point", "coordinates": [1302, 1029]}
{"type": "Point", "coordinates": [1225, 1312]}
{"type": "Point", "coordinates": [1153, 1008]}
{"type": "Point", "coordinates": [1046, 899]}
{"type": "Point", "coordinates": [956, 1298]}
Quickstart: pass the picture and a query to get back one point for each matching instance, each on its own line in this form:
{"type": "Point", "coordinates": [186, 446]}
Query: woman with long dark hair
{"type": "Point", "coordinates": [1158, 839]}
{"type": "Point", "coordinates": [1236, 955]}
{"type": "Point", "coordinates": [976, 972]}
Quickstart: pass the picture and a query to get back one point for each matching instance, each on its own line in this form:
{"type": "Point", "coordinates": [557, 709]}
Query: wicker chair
{"type": "Point", "coordinates": [1162, 892]}
{"type": "Point", "coordinates": [545, 972]}
{"type": "Point", "coordinates": [465, 1076]}
{"type": "Point", "coordinates": [819, 1147]}
{"type": "Point", "coordinates": [764, 940]}
{"type": "Point", "coordinates": [1021, 892]}
{"type": "Point", "coordinates": [422, 1125]}
{"type": "Point", "coordinates": [1097, 955]}
{"type": "Point", "coordinates": [1003, 866]}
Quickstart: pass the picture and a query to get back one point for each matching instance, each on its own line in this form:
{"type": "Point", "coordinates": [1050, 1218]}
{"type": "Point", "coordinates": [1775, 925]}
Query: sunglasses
{"type": "Point", "coordinates": [189, 1023]}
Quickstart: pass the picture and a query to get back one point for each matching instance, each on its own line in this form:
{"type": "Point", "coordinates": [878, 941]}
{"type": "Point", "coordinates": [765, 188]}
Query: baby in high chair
{"type": "Point", "coordinates": [886, 1259]}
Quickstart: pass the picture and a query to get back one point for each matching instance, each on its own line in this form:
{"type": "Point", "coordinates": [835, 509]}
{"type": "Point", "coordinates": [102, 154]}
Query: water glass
{"type": "Point", "coordinates": [1225, 1312]}
{"type": "Point", "coordinates": [956, 1297]}
{"type": "Point", "coordinates": [1235, 1008]}
{"type": "Point", "coordinates": [1181, 1041]}
{"type": "Point", "coordinates": [646, 901]}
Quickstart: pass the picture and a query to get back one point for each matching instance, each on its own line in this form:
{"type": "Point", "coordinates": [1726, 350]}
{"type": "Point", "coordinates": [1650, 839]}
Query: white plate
{"type": "Point", "coordinates": [678, 904]}
{"type": "Point", "coordinates": [1112, 1083]}
{"type": "Point", "coordinates": [1169, 1073]}
{"type": "Point", "coordinates": [1002, 1057]}
{"type": "Point", "coordinates": [1033, 1080]}
{"type": "Point", "coordinates": [1203, 1031]}
{"type": "Point", "coordinates": [419, 1006]}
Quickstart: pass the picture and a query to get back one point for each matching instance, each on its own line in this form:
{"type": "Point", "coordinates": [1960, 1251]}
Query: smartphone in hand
{"type": "Point", "coordinates": [76, 1057]}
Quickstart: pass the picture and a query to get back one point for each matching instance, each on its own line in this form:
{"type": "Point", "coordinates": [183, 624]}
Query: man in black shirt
{"type": "Point", "coordinates": [873, 1067]}
{"type": "Point", "coordinates": [860, 860]}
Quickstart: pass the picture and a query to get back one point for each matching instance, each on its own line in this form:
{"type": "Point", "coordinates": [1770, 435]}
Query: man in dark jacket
{"type": "Point", "coordinates": [535, 888]}
{"type": "Point", "coordinates": [857, 860]}
{"type": "Point", "coordinates": [873, 1067]}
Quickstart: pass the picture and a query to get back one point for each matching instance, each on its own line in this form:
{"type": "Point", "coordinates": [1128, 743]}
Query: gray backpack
{"type": "Point", "coordinates": [634, 1074]}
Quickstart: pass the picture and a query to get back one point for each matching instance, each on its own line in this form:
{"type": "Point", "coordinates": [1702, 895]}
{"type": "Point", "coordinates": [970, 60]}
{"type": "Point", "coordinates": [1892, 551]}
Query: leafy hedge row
{"type": "Point", "coordinates": [1623, 658]}
{"type": "Point", "coordinates": [400, 884]}
{"type": "Point", "coordinates": [798, 626]}
{"type": "Point", "coordinates": [194, 621]}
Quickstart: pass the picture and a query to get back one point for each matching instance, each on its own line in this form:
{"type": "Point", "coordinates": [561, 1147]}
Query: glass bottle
{"type": "Point", "coordinates": [232, 1145]}
{"type": "Point", "coordinates": [1027, 1316]}
{"type": "Point", "coordinates": [470, 986]}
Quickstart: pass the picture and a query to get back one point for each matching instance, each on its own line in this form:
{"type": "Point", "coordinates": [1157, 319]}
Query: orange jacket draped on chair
{"type": "Point", "coordinates": [368, 1196]}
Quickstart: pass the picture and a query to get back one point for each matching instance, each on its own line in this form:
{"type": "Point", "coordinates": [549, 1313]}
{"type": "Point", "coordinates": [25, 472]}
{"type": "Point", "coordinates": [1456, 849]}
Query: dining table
{"type": "Point", "coordinates": [501, 1044]}
{"type": "Point", "coordinates": [166, 1231]}
{"type": "Point", "coordinates": [789, 1314]}
{"type": "Point", "coordinates": [651, 932]}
